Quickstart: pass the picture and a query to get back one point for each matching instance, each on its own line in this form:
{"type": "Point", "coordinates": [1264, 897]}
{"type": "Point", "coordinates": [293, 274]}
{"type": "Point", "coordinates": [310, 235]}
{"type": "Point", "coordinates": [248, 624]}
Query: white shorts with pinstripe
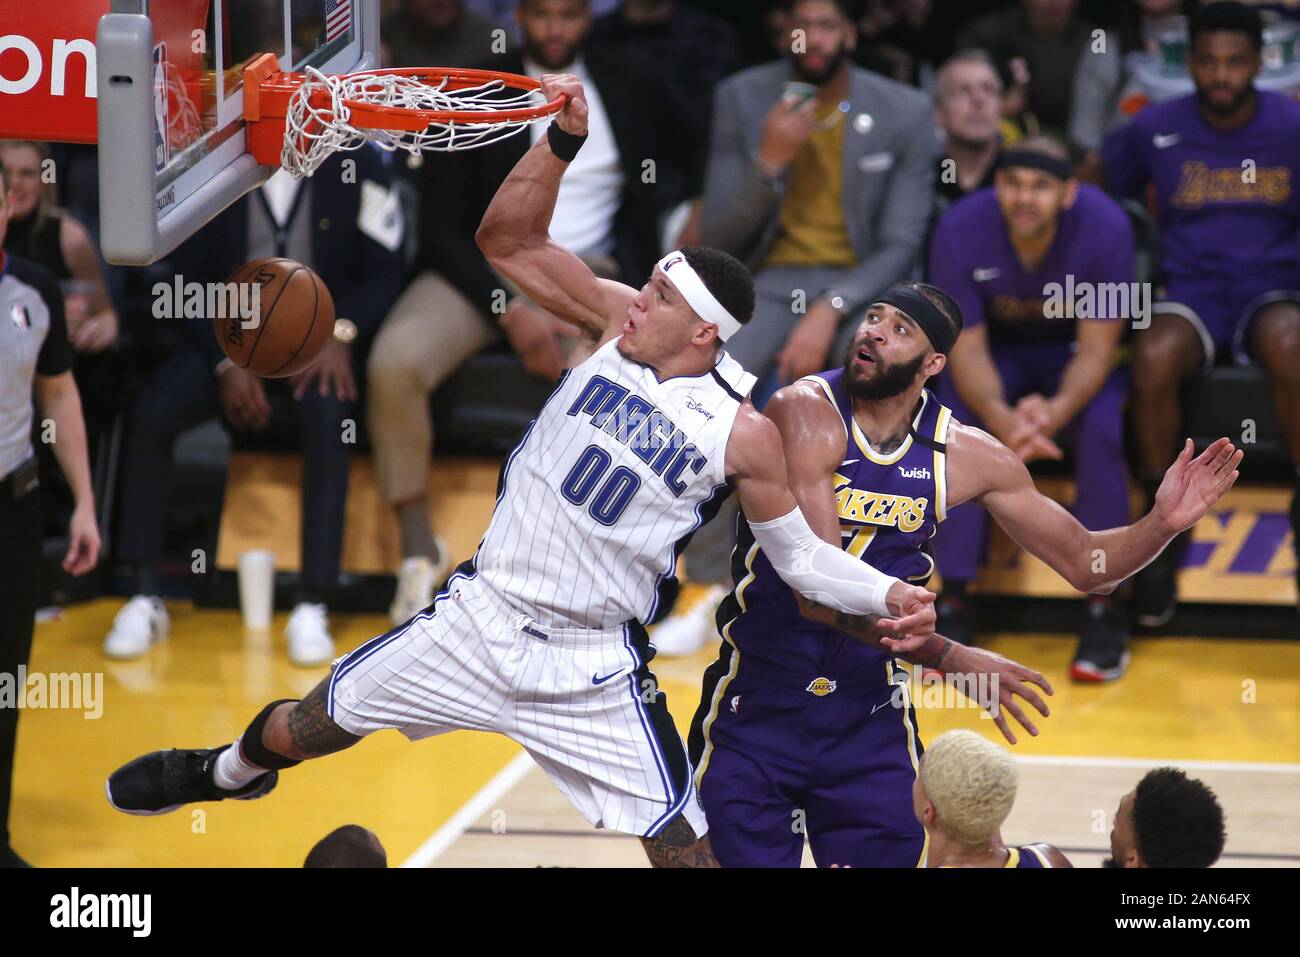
{"type": "Point", "coordinates": [583, 703]}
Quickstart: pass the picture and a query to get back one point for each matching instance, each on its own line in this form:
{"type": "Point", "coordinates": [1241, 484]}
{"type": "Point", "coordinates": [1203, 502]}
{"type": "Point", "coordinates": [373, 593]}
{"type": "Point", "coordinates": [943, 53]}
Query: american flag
{"type": "Point", "coordinates": [338, 17]}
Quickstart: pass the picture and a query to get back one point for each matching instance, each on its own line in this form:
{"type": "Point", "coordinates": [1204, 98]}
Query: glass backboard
{"type": "Point", "coordinates": [172, 145]}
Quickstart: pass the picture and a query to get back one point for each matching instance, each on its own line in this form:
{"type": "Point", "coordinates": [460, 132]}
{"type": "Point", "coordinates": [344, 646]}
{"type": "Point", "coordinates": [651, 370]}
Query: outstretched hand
{"type": "Point", "coordinates": [573, 118]}
{"type": "Point", "coordinates": [1006, 678]}
{"type": "Point", "coordinates": [1191, 486]}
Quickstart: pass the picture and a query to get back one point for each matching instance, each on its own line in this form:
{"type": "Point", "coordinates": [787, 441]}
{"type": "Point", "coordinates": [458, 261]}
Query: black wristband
{"type": "Point", "coordinates": [564, 144]}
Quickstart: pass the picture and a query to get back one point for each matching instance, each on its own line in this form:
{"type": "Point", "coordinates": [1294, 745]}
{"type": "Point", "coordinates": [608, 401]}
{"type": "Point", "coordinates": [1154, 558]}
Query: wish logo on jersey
{"type": "Point", "coordinates": [643, 428]}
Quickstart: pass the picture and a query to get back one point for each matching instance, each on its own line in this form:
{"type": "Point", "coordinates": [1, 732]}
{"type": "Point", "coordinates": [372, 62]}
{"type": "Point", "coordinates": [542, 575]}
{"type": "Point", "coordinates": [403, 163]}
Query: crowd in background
{"type": "Point", "coordinates": [864, 154]}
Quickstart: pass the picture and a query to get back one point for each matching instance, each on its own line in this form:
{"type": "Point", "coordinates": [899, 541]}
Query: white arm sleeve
{"type": "Point", "coordinates": [820, 571]}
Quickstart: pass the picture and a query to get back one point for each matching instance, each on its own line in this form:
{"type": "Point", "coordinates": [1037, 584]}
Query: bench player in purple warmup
{"type": "Point", "coordinates": [797, 715]}
{"type": "Point", "coordinates": [1035, 376]}
{"type": "Point", "coordinates": [1223, 165]}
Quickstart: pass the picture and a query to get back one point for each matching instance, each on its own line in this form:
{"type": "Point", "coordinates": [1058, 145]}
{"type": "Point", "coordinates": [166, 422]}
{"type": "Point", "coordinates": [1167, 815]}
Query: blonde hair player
{"type": "Point", "coordinates": [962, 796]}
{"type": "Point", "coordinates": [540, 637]}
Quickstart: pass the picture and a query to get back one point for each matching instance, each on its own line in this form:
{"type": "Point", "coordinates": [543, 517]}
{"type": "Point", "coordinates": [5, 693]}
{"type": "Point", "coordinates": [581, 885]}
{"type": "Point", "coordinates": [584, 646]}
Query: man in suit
{"type": "Point", "coordinates": [820, 179]}
{"type": "Point", "coordinates": [345, 223]}
{"type": "Point", "coordinates": [606, 212]}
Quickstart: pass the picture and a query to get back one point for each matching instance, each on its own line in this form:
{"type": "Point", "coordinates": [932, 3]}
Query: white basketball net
{"type": "Point", "coordinates": [312, 134]}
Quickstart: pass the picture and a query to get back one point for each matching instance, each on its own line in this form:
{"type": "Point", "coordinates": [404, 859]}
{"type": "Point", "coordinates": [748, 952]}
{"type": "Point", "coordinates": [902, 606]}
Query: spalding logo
{"type": "Point", "coordinates": [821, 687]}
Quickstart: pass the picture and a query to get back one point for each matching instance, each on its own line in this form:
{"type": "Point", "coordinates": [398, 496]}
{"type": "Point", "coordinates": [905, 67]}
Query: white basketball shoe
{"type": "Point", "coordinates": [139, 625]}
{"type": "Point", "coordinates": [416, 581]}
{"type": "Point", "coordinates": [309, 635]}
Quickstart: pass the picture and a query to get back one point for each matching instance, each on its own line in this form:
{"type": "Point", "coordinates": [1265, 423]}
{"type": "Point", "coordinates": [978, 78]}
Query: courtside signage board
{"type": "Point", "coordinates": [47, 70]}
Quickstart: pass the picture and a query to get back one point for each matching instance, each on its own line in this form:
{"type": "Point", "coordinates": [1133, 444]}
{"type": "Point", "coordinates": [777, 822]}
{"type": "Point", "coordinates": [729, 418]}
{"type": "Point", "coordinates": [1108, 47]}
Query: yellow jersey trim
{"type": "Point", "coordinates": [900, 677]}
{"type": "Point", "coordinates": [940, 472]}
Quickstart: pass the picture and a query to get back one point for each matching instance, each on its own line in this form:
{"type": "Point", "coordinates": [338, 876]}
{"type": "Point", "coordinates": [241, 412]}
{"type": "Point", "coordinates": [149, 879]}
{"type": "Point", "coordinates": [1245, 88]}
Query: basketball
{"type": "Point", "coordinates": [285, 317]}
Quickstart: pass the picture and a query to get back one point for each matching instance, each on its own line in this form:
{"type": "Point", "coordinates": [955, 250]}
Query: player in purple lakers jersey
{"type": "Point", "coordinates": [962, 796]}
{"type": "Point", "coordinates": [805, 722]}
{"type": "Point", "coordinates": [1223, 165]}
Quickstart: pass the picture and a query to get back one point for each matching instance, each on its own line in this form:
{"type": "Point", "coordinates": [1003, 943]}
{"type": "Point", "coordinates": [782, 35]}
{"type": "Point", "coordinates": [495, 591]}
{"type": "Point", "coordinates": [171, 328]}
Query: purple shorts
{"type": "Point", "coordinates": [1221, 313]}
{"type": "Point", "coordinates": [777, 761]}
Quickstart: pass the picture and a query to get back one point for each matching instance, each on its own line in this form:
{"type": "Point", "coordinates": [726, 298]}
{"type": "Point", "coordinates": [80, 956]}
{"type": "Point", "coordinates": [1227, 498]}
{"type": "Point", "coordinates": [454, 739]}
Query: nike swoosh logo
{"type": "Point", "coordinates": [850, 461]}
{"type": "Point", "coordinates": [601, 681]}
{"type": "Point", "coordinates": [879, 706]}
{"type": "Point", "coordinates": [1166, 141]}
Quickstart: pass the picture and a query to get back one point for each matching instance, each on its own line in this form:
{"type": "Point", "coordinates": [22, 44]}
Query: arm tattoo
{"type": "Point", "coordinates": [677, 846]}
{"type": "Point", "coordinates": [931, 654]}
{"type": "Point", "coordinates": [860, 626]}
{"type": "Point", "coordinates": [312, 730]}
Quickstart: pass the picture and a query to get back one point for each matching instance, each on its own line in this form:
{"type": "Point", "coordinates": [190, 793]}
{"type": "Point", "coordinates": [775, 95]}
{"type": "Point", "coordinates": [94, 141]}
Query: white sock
{"type": "Point", "coordinates": [232, 772]}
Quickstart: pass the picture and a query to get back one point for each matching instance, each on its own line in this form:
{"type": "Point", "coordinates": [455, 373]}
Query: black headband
{"type": "Point", "coordinates": [1032, 159]}
{"type": "Point", "coordinates": [924, 313]}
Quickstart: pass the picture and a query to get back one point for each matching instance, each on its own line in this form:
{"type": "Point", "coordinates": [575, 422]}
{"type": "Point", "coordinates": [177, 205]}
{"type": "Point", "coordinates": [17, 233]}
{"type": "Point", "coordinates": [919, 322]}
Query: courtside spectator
{"type": "Point", "coordinates": [1050, 37]}
{"type": "Point", "coordinates": [966, 108]}
{"type": "Point", "coordinates": [1224, 168]}
{"type": "Point", "coordinates": [49, 236]}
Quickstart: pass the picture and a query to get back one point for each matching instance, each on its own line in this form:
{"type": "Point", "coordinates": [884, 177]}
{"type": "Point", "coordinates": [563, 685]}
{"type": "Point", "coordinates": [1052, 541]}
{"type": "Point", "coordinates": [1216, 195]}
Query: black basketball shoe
{"type": "Point", "coordinates": [1155, 588]}
{"type": "Point", "coordinates": [1103, 653]}
{"type": "Point", "coordinates": [165, 780]}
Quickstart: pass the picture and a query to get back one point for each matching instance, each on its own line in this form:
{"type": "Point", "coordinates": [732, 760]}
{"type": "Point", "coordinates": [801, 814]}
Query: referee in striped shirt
{"type": "Point", "coordinates": [35, 364]}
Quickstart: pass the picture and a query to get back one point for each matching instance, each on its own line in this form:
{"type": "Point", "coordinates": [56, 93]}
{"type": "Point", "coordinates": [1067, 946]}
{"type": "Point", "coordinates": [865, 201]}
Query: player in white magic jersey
{"type": "Point", "coordinates": [540, 637]}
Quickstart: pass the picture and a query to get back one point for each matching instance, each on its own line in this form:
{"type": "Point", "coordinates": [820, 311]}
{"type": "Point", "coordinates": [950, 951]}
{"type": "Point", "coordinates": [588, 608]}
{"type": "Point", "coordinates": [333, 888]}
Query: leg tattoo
{"type": "Point", "coordinates": [677, 846]}
{"type": "Point", "coordinates": [312, 731]}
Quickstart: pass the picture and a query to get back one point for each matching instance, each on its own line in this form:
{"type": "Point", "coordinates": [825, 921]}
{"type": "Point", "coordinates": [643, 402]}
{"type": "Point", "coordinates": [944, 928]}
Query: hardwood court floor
{"type": "Point", "coordinates": [1234, 705]}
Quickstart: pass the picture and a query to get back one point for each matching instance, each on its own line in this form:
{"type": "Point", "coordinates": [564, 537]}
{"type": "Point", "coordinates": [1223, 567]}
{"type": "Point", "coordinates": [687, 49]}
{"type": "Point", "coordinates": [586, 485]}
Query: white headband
{"type": "Point", "coordinates": [688, 282]}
